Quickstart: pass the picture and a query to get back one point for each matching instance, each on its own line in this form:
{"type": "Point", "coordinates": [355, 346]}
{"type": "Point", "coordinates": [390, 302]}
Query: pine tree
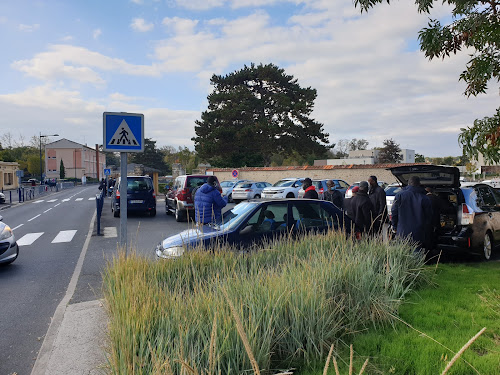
{"type": "Point", "coordinates": [390, 153]}
{"type": "Point", "coordinates": [62, 171]}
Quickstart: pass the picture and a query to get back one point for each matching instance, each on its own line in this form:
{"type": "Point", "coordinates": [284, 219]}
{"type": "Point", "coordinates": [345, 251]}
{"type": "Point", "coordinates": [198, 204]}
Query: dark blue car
{"type": "Point", "coordinates": [141, 196]}
{"type": "Point", "coordinates": [255, 221]}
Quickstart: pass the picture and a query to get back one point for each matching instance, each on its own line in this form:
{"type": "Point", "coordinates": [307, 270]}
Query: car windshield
{"type": "Point", "coordinates": [138, 184]}
{"type": "Point", "coordinates": [392, 190]}
{"type": "Point", "coordinates": [244, 185]}
{"type": "Point", "coordinates": [226, 184]}
{"type": "Point", "coordinates": [230, 219]}
{"type": "Point", "coordinates": [284, 183]}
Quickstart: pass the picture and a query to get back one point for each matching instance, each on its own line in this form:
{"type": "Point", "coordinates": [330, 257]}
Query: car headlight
{"type": "Point", "coordinates": [171, 252]}
{"type": "Point", "coordinates": [6, 233]}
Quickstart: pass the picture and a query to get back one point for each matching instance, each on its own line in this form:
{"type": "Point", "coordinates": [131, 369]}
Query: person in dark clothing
{"type": "Point", "coordinates": [333, 195]}
{"type": "Point", "coordinates": [208, 202]}
{"type": "Point", "coordinates": [362, 209]}
{"type": "Point", "coordinates": [309, 189]}
{"type": "Point", "coordinates": [348, 203]}
{"type": "Point", "coordinates": [412, 213]}
{"type": "Point", "coordinates": [378, 199]}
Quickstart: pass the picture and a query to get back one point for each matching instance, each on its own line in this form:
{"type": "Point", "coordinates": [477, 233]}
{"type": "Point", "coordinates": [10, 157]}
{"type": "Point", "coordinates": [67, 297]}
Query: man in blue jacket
{"type": "Point", "coordinates": [208, 202]}
{"type": "Point", "coordinates": [412, 212]}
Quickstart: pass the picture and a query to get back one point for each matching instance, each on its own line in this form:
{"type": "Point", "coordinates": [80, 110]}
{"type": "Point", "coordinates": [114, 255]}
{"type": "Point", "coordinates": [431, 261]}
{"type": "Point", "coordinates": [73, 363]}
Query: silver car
{"type": "Point", "coordinates": [227, 188]}
{"type": "Point", "coordinates": [248, 190]}
{"type": "Point", "coordinates": [9, 250]}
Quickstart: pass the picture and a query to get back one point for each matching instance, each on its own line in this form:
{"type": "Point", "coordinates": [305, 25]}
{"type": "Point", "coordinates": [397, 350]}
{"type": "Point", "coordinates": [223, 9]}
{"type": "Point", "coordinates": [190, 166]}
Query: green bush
{"type": "Point", "coordinates": [294, 299]}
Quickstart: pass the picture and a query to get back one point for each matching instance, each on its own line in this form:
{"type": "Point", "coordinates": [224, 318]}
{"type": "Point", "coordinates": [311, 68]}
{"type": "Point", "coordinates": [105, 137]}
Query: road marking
{"type": "Point", "coordinates": [92, 199]}
{"type": "Point", "coordinates": [40, 201]}
{"type": "Point", "coordinates": [28, 239]}
{"type": "Point", "coordinates": [33, 218]}
{"type": "Point", "coordinates": [52, 201]}
{"type": "Point", "coordinates": [19, 226]}
{"type": "Point", "coordinates": [64, 236]}
{"type": "Point", "coordinates": [78, 199]}
{"type": "Point", "coordinates": [110, 232]}
{"type": "Point", "coordinates": [57, 204]}
{"type": "Point", "coordinates": [65, 200]}
{"type": "Point", "coordinates": [47, 210]}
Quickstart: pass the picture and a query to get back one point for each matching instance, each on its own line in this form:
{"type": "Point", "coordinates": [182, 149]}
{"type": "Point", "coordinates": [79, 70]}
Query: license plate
{"type": "Point", "coordinates": [136, 201]}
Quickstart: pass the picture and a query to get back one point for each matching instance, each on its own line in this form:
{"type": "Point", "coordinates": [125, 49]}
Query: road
{"type": "Point", "coordinates": [51, 232]}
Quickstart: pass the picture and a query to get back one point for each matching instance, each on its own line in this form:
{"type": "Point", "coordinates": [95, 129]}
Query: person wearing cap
{"type": "Point", "coordinates": [379, 201]}
{"type": "Point", "coordinates": [309, 189]}
{"type": "Point", "coordinates": [333, 195]}
{"type": "Point", "coordinates": [362, 209]}
{"type": "Point", "coordinates": [208, 202]}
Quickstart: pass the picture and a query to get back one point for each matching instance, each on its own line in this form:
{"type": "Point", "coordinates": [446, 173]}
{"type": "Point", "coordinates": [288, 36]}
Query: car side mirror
{"type": "Point", "coordinates": [247, 230]}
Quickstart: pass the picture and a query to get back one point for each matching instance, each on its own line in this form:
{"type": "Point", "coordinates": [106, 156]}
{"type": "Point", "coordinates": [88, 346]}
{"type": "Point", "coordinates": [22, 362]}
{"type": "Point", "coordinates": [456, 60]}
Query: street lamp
{"type": "Point", "coordinates": [41, 136]}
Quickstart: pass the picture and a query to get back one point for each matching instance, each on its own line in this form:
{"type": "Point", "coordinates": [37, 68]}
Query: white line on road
{"type": "Point", "coordinates": [52, 201]}
{"type": "Point", "coordinates": [78, 199]}
{"type": "Point", "coordinates": [47, 210]}
{"type": "Point", "coordinates": [57, 204]}
{"type": "Point", "coordinates": [40, 201]}
{"type": "Point", "coordinates": [28, 239]}
{"type": "Point", "coordinates": [64, 236]}
{"type": "Point", "coordinates": [110, 232]}
{"type": "Point", "coordinates": [65, 200]}
{"type": "Point", "coordinates": [33, 218]}
{"type": "Point", "coordinates": [19, 226]}
{"type": "Point", "coordinates": [92, 199]}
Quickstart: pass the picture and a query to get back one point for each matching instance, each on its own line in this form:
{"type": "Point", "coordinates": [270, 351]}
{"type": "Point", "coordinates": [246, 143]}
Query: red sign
{"type": "Point", "coordinates": [234, 173]}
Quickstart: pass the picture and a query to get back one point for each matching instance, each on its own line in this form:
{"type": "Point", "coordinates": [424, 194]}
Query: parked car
{"type": "Point", "coordinates": [255, 221]}
{"type": "Point", "coordinates": [179, 199]}
{"type": "Point", "coordinates": [472, 220]}
{"type": "Point", "coordinates": [9, 249]}
{"type": "Point", "coordinates": [390, 192]}
{"type": "Point", "coordinates": [2, 198]}
{"type": "Point", "coordinates": [227, 188]}
{"type": "Point", "coordinates": [348, 193]}
{"type": "Point", "coordinates": [141, 196]}
{"type": "Point", "coordinates": [321, 187]}
{"type": "Point", "coordinates": [249, 190]}
{"type": "Point", "coordinates": [284, 188]}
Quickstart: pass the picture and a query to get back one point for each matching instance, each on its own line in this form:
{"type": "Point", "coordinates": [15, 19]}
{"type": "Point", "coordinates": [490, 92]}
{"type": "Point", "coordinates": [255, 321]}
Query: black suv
{"type": "Point", "coordinates": [471, 217]}
{"type": "Point", "coordinates": [141, 196]}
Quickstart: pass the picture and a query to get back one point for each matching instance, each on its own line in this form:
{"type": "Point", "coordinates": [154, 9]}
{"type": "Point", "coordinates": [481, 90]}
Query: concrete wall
{"type": "Point", "coordinates": [8, 177]}
{"type": "Point", "coordinates": [350, 174]}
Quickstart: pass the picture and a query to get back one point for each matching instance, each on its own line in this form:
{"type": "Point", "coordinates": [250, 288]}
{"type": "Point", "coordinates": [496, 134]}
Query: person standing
{"type": "Point", "coordinates": [208, 202]}
{"type": "Point", "coordinates": [378, 199]}
{"type": "Point", "coordinates": [362, 209]}
{"type": "Point", "coordinates": [348, 203]}
{"type": "Point", "coordinates": [309, 189]}
{"type": "Point", "coordinates": [412, 213]}
{"type": "Point", "coordinates": [333, 195]}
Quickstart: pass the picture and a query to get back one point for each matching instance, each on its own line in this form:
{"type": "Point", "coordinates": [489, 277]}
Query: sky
{"type": "Point", "coordinates": [64, 63]}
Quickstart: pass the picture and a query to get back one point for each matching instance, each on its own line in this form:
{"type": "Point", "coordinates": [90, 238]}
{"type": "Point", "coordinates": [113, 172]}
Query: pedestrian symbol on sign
{"type": "Point", "coordinates": [123, 136]}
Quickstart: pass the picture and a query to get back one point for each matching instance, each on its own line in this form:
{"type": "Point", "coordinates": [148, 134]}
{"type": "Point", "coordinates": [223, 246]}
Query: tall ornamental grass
{"type": "Point", "coordinates": [220, 312]}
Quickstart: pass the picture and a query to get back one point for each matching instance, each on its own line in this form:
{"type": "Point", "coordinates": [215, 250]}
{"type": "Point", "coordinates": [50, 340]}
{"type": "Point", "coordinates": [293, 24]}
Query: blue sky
{"type": "Point", "coordinates": [64, 63]}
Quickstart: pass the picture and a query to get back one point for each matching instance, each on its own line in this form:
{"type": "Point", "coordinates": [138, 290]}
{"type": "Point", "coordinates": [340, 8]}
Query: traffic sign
{"type": "Point", "coordinates": [123, 132]}
{"type": "Point", "coordinates": [235, 173]}
{"type": "Point", "coordinates": [107, 171]}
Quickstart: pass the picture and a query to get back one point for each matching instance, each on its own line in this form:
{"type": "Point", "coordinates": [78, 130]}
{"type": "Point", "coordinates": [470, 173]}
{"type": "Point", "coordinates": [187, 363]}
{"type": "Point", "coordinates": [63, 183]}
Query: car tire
{"type": "Point", "coordinates": [178, 215]}
{"type": "Point", "coordinates": [152, 213]}
{"type": "Point", "coordinates": [257, 196]}
{"type": "Point", "coordinates": [116, 213]}
{"type": "Point", "coordinates": [230, 198]}
{"type": "Point", "coordinates": [290, 195]}
{"type": "Point", "coordinates": [487, 246]}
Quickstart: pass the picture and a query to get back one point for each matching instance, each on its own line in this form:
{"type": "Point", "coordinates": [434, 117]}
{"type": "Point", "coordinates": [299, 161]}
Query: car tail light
{"type": "Point", "coordinates": [184, 195]}
{"type": "Point", "coordinates": [248, 190]}
{"type": "Point", "coordinates": [321, 190]}
{"type": "Point", "coordinates": [465, 217]}
{"type": "Point", "coordinates": [118, 194]}
{"type": "Point", "coordinates": [154, 194]}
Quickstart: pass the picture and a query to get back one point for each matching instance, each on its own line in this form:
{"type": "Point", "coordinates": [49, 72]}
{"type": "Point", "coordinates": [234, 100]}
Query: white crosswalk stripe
{"type": "Point", "coordinates": [64, 236]}
{"type": "Point", "coordinates": [78, 199]}
{"type": "Point", "coordinates": [92, 199]}
{"type": "Point", "coordinates": [52, 201]}
{"type": "Point", "coordinates": [65, 200]}
{"type": "Point", "coordinates": [110, 232]}
{"type": "Point", "coordinates": [39, 201]}
{"type": "Point", "coordinates": [29, 238]}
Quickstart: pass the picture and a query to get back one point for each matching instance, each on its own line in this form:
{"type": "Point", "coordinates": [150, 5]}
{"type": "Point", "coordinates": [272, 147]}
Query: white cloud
{"type": "Point", "coordinates": [180, 25]}
{"type": "Point", "coordinates": [78, 64]}
{"type": "Point", "coordinates": [96, 33]}
{"type": "Point", "coordinates": [139, 24]}
{"type": "Point", "coordinates": [29, 28]}
{"type": "Point", "coordinates": [67, 38]}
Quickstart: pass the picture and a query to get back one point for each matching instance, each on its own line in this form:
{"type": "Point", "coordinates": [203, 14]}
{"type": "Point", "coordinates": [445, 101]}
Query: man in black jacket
{"type": "Point", "coordinates": [378, 199]}
{"type": "Point", "coordinates": [362, 209]}
{"type": "Point", "coordinates": [333, 195]}
{"type": "Point", "coordinates": [309, 189]}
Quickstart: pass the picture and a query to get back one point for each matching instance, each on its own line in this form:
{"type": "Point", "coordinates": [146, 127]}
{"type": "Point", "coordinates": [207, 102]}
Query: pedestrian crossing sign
{"type": "Point", "coordinates": [123, 132]}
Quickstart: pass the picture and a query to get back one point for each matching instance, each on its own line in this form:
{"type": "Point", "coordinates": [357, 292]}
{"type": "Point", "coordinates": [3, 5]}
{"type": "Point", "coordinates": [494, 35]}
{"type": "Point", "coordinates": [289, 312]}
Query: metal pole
{"type": "Point", "coordinates": [40, 157]}
{"type": "Point", "coordinates": [123, 201]}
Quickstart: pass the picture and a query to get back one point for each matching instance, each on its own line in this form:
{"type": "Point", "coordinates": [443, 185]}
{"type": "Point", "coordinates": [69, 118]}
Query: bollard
{"type": "Point", "coordinates": [10, 197]}
{"type": "Point", "coordinates": [99, 204]}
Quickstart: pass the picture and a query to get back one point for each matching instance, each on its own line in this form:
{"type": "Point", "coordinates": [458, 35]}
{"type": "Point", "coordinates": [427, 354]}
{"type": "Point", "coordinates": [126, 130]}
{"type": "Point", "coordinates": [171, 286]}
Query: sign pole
{"type": "Point", "coordinates": [123, 201]}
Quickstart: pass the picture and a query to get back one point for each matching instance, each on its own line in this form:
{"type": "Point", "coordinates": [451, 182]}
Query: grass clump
{"type": "Point", "coordinates": [219, 312]}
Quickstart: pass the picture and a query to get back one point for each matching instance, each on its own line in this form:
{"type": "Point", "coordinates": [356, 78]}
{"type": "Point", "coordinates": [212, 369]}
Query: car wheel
{"type": "Point", "coordinates": [257, 196]}
{"type": "Point", "coordinates": [487, 246]}
{"type": "Point", "coordinates": [152, 213]}
{"type": "Point", "coordinates": [290, 195]}
{"type": "Point", "coordinates": [167, 209]}
{"type": "Point", "coordinates": [230, 198]}
{"type": "Point", "coordinates": [116, 213]}
{"type": "Point", "coordinates": [178, 215]}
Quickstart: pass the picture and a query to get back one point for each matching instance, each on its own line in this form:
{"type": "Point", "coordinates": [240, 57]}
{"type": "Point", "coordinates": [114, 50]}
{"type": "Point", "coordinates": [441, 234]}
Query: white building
{"type": "Point", "coordinates": [365, 157]}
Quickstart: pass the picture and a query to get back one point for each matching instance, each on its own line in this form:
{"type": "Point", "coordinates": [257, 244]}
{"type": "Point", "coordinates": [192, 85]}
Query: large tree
{"type": "Point", "coordinates": [151, 157]}
{"type": "Point", "coordinates": [476, 26]}
{"type": "Point", "coordinates": [254, 113]}
{"type": "Point", "coordinates": [390, 153]}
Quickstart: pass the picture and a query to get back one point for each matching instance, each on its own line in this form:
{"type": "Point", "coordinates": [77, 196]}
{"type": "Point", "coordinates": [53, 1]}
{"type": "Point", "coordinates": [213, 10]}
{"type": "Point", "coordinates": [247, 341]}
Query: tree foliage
{"type": "Point", "coordinates": [419, 158]}
{"type": "Point", "coordinates": [62, 170]}
{"type": "Point", "coordinates": [255, 112]}
{"type": "Point", "coordinates": [182, 155]}
{"type": "Point", "coordinates": [476, 26]}
{"type": "Point", "coordinates": [390, 153]}
{"type": "Point", "coordinates": [151, 157]}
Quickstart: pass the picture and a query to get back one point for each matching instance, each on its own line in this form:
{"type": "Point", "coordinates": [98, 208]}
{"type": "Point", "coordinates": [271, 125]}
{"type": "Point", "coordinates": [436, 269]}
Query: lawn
{"type": "Point", "coordinates": [436, 321]}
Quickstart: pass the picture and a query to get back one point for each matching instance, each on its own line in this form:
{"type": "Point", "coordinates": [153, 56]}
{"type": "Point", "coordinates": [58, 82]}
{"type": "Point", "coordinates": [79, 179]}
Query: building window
{"type": "Point", "coordinates": [8, 178]}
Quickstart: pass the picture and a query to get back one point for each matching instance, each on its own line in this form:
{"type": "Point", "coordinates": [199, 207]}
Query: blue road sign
{"type": "Point", "coordinates": [107, 171]}
{"type": "Point", "coordinates": [123, 132]}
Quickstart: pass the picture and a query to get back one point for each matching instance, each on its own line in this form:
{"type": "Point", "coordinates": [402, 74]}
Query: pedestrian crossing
{"type": "Point", "coordinates": [63, 200]}
{"type": "Point", "coordinates": [63, 236]}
